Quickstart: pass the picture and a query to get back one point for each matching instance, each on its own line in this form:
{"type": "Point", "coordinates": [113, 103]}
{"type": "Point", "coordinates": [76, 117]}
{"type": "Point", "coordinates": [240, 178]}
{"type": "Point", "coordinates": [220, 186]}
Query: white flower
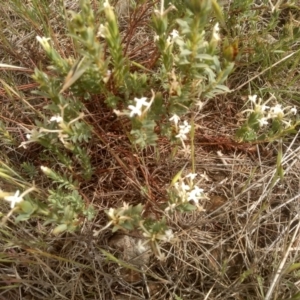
{"type": "Point", "coordinates": [192, 176]}
{"type": "Point", "coordinates": [175, 119]}
{"type": "Point", "coordinates": [200, 104]}
{"type": "Point", "coordinates": [14, 199]}
{"type": "Point", "coordinates": [185, 127]}
{"type": "Point", "coordinates": [107, 76]}
{"type": "Point", "coordinates": [56, 119]}
{"type": "Point", "coordinates": [183, 130]}
{"type": "Point", "coordinates": [141, 247]}
{"type": "Point", "coordinates": [141, 102]}
{"type": "Point", "coordinates": [258, 107]}
{"type": "Point", "coordinates": [216, 31]}
{"type": "Point", "coordinates": [181, 186]}
{"type": "Point", "coordinates": [106, 4]}
{"type": "Point", "coordinates": [293, 110]}
{"type": "Point", "coordinates": [168, 235]}
{"type": "Point", "coordinates": [17, 198]}
{"type": "Point", "coordinates": [24, 144]}
{"type": "Point", "coordinates": [182, 191]}
{"type": "Point", "coordinates": [262, 122]}
{"type": "Point", "coordinates": [101, 31]}
{"type": "Point", "coordinates": [287, 124]}
{"type": "Point", "coordinates": [181, 136]}
{"type": "Point", "coordinates": [277, 111]}
{"type": "Point", "coordinates": [156, 38]}
{"type": "Point", "coordinates": [111, 213]}
{"type": "Point", "coordinates": [262, 108]}
{"type": "Point", "coordinates": [125, 206]}
{"type": "Point", "coordinates": [174, 34]}
{"type": "Point", "coordinates": [137, 110]}
{"type": "Point", "coordinates": [171, 207]}
{"type": "Point", "coordinates": [253, 98]}
{"type": "Point", "coordinates": [134, 111]}
{"type": "Point", "coordinates": [195, 194]}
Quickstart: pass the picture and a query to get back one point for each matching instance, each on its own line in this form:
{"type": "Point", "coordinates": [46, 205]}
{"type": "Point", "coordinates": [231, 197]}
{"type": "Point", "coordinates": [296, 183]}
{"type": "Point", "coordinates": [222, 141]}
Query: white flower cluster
{"type": "Point", "coordinates": [171, 38]}
{"type": "Point", "coordinates": [167, 236]}
{"type": "Point", "coordinates": [182, 130]}
{"type": "Point", "coordinates": [173, 35]}
{"type": "Point", "coordinates": [137, 109]}
{"type": "Point", "coordinates": [270, 113]}
{"type": "Point", "coordinates": [186, 191]}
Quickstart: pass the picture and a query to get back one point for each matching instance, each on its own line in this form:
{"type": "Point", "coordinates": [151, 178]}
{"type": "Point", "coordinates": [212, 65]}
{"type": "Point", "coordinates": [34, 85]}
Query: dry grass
{"type": "Point", "coordinates": [241, 247]}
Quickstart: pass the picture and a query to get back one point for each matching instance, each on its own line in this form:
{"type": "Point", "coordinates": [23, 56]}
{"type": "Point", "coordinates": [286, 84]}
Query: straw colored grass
{"type": "Point", "coordinates": [244, 246]}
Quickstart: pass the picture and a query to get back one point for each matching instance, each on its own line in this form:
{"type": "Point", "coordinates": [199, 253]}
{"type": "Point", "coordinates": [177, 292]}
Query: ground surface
{"type": "Point", "coordinates": [244, 246]}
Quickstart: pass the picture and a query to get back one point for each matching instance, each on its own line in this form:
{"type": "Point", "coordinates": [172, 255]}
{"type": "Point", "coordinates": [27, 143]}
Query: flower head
{"type": "Point", "coordinates": [183, 130]}
{"type": "Point", "coordinates": [287, 124]}
{"type": "Point", "coordinates": [140, 102]}
{"type": "Point", "coordinates": [141, 247]}
{"type": "Point", "coordinates": [277, 111]}
{"type": "Point", "coordinates": [106, 4]}
{"type": "Point", "coordinates": [168, 236]}
{"type": "Point", "coordinates": [192, 176]}
{"type": "Point", "coordinates": [17, 198]}
{"type": "Point", "coordinates": [14, 199]}
{"type": "Point", "coordinates": [262, 122]}
{"type": "Point", "coordinates": [156, 38]}
{"type": "Point", "coordinates": [216, 31]}
{"type": "Point", "coordinates": [56, 119]}
{"type": "Point", "coordinates": [135, 110]}
{"type": "Point", "coordinates": [195, 194]}
{"type": "Point", "coordinates": [293, 110]}
{"type": "Point", "coordinates": [258, 107]}
{"type": "Point", "coordinates": [111, 213]}
{"type": "Point", "coordinates": [175, 119]}
{"type": "Point", "coordinates": [101, 31]}
{"type": "Point", "coordinates": [174, 34]}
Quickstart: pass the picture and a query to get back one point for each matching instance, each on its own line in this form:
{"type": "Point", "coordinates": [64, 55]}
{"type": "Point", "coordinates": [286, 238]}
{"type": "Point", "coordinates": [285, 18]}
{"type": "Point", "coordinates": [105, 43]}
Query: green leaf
{"type": "Point", "coordinates": [187, 207]}
{"type": "Point", "coordinates": [178, 176]}
{"type": "Point", "coordinates": [218, 12]}
{"type": "Point", "coordinates": [292, 268]}
{"type": "Point", "coordinates": [27, 207]}
{"type": "Point", "coordinates": [60, 228]}
{"type": "Point", "coordinates": [75, 73]}
{"type": "Point", "coordinates": [22, 217]}
{"type": "Point", "coordinates": [119, 261]}
{"type": "Point", "coordinates": [294, 297]}
{"type": "Point", "coordinates": [205, 56]}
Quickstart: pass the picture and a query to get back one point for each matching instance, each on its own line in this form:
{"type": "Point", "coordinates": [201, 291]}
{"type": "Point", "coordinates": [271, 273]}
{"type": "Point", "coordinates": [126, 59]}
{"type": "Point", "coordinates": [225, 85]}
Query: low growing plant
{"type": "Point", "coordinates": [190, 67]}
